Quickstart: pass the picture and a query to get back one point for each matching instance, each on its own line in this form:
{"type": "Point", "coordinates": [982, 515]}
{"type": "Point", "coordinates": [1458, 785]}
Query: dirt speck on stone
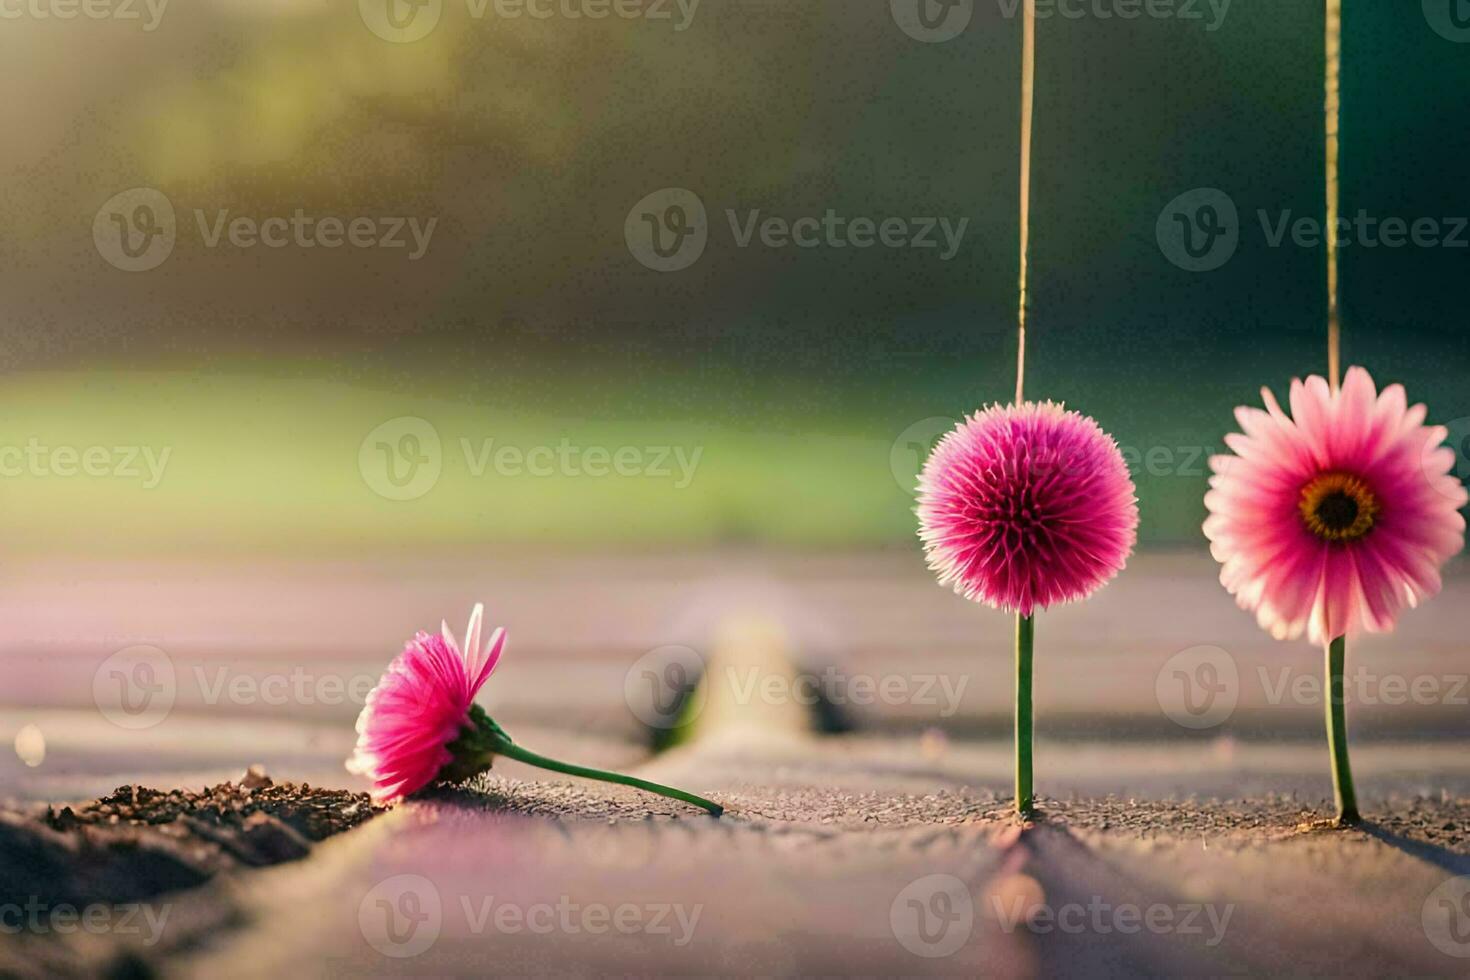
{"type": "Point", "coordinates": [256, 778]}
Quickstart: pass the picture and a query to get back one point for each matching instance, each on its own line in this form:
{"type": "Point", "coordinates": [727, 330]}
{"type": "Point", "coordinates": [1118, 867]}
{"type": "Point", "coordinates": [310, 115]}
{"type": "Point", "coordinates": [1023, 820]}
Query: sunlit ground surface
{"type": "Point", "coordinates": [268, 659]}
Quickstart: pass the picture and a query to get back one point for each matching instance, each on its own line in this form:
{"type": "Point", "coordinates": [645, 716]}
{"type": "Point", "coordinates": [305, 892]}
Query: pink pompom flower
{"type": "Point", "coordinates": [1333, 519]}
{"type": "Point", "coordinates": [1022, 507]}
{"type": "Point", "coordinates": [421, 725]}
{"type": "Point", "coordinates": [1025, 507]}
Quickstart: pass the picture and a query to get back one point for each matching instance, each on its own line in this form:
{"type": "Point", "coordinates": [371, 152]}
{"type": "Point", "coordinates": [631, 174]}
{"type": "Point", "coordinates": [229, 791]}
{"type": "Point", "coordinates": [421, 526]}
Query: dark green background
{"type": "Point", "coordinates": [531, 142]}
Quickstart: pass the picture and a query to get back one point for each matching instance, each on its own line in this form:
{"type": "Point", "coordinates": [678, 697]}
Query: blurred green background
{"type": "Point", "coordinates": [806, 380]}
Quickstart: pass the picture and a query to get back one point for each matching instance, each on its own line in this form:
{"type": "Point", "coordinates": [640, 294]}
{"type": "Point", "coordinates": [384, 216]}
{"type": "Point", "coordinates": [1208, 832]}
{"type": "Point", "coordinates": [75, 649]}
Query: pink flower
{"type": "Point", "coordinates": [1025, 507]}
{"type": "Point", "coordinates": [419, 707]}
{"type": "Point", "coordinates": [1335, 518]}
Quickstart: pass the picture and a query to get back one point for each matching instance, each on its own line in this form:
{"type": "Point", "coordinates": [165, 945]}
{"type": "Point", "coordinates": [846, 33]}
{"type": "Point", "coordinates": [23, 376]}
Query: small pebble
{"type": "Point", "coordinates": [30, 746]}
{"type": "Point", "coordinates": [256, 778]}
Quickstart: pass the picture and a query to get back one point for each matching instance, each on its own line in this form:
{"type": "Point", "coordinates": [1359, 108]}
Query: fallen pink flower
{"type": "Point", "coordinates": [421, 725]}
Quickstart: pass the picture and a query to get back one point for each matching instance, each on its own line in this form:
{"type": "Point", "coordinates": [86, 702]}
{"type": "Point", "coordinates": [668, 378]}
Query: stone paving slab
{"type": "Point", "coordinates": [851, 854]}
{"type": "Point", "coordinates": [885, 849]}
{"type": "Point", "coordinates": [826, 875]}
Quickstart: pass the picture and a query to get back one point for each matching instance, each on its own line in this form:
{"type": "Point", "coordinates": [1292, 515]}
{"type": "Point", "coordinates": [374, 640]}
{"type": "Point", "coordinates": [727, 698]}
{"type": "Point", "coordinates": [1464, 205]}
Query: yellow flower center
{"type": "Point", "coordinates": [1338, 507]}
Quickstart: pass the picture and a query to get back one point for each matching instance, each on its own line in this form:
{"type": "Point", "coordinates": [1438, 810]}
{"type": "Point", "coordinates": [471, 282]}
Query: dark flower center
{"type": "Point", "coordinates": [1337, 511]}
{"type": "Point", "coordinates": [1338, 507]}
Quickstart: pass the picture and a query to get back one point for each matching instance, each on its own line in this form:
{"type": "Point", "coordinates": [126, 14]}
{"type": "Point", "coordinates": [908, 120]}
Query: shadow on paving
{"type": "Point", "coordinates": [514, 876]}
{"type": "Point", "coordinates": [1454, 863]}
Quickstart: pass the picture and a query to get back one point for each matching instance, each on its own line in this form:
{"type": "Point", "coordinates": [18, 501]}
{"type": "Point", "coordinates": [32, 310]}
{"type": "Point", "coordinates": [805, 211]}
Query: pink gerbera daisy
{"type": "Point", "coordinates": [419, 708]}
{"type": "Point", "coordinates": [1333, 519]}
{"type": "Point", "coordinates": [421, 725]}
{"type": "Point", "coordinates": [1025, 507]}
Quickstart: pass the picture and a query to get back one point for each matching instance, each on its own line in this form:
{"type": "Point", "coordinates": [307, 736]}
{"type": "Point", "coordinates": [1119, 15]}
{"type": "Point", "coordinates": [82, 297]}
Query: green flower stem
{"type": "Point", "coordinates": [1342, 773]}
{"type": "Point", "coordinates": [1025, 633]}
{"type": "Point", "coordinates": [511, 750]}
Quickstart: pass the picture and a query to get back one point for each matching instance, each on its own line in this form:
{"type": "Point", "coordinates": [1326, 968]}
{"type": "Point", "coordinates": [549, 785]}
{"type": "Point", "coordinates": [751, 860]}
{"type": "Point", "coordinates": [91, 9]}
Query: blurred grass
{"type": "Point", "coordinates": [272, 465]}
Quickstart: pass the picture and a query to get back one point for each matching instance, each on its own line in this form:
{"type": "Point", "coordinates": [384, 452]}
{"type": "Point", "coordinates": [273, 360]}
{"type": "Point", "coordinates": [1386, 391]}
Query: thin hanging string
{"type": "Point", "coordinates": [1334, 112]}
{"type": "Point", "coordinates": [1028, 85]}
